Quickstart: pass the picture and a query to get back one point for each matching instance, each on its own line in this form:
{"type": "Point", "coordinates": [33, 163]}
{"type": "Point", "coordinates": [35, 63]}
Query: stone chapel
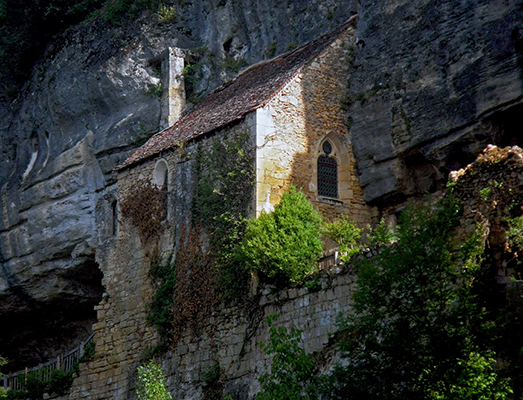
{"type": "Point", "coordinates": [285, 120]}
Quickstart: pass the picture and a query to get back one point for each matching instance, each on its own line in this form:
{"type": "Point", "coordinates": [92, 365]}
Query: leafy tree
{"type": "Point", "coordinates": [292, 372]}
{"type": "Point", "coordinates": [151, 383]}
{"type": "Point", "coordinates": [383, 234]}
{"type": "Point", "coordinates": [3, 393]}
{"type": "Point", "coordinates": [285, 243]}
{"type": "Point", "coordinates": [416, 326]}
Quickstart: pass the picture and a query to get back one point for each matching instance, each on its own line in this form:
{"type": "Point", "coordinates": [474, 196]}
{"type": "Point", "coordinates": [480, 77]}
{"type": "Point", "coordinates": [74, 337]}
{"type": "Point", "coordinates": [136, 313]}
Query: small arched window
{"type": "Point", "coordinates": [327, 173]}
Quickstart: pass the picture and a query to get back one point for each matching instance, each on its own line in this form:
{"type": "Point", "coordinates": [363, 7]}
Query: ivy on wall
{"type": "Point", "coordinates": [223, 201]}
{"type": "Point", "coordinates": [204, 270]}
{"type": "Point", "coordinates": [195, 294]}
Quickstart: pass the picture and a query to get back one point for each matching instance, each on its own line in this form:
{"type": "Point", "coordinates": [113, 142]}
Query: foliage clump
{"type": "Point", "coordinates": [212, 383]}
{"type": "Point", "coordinates": [151, 383]}
{"type": "Point", "coordinates": [345, 233]}
{"type": "Point", "coordinates": [161, 309]}
{"type": "Point", "coordinates": [383, 234]}
{"type": "Point", "coordinates": [284, 244]}
{"type": "Point", "coordinates": [292, 374]}
{"type": "Point", "coordinates": [195, 293]}
{"type": "Point", "coordinates": [186, 291]}
{"type": "Point", "coordinates": [419, 327]}
{"type": "Point", "coordinates": [146, 208]}
{"type": "Point", "coordinates": [417, 324]}
{"type": "Point", "coordinates": [223, 203]}
{"type": "Point", "coordinates": [3, 393]}
{"type": "Point", "coordinates": [35, 384]}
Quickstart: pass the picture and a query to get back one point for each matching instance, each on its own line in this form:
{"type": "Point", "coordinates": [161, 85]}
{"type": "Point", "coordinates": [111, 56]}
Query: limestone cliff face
{"type": "Point", "coordinates": [89, 103]}
{"type": "Point", "coordinates": [432, 84]}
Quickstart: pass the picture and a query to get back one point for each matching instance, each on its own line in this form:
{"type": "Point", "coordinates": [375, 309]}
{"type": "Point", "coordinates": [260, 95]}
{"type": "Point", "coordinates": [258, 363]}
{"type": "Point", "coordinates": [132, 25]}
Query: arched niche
{"type": "Point", "coordinates": [161, 173]}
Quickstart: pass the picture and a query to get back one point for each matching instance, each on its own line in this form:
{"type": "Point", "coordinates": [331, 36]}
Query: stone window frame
{"type": "Point", "coordinates": [340, 153]}
{"type": "Point", "coordinates": [330, 167]}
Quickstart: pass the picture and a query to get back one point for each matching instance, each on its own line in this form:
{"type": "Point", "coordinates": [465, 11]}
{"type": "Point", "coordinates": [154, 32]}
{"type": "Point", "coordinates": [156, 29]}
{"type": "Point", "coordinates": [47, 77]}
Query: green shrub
{"type": "Point", "coordinates": [16, 395]}
{"type": "Point", "coordinates": [151, 383]}
{"type": "Point", "coordinates": [285, 243]}
{"type": "Point", "coordinates": [212, 383]}
{"type": "Point", "coordinates": [471, 378]}
{"type": "Point", "coordinates": [89, 351]}
{"type": "Point", "coordinates": [417, 325]}
{"type": "Point", "coordinates": [346, 234]}
{"type": "Point", "coordinates": [161, 308]}
{"type": "Point", "coordinates": [515, 233]}
{"type": "Point", "coordinates": [222, 203]}
{"type": "Point", "coordinates": [167, 14]}
{"type": "Point", "coordinates": [292, 372]}
{"type": "Point", "coordinates": [60, 383]}
{"type": "Point", "coordinates": [35, 387]}
{"type": "Point", "coordinates": [382, 234]}
{"type": "Point", "coordinates": [3, 394]}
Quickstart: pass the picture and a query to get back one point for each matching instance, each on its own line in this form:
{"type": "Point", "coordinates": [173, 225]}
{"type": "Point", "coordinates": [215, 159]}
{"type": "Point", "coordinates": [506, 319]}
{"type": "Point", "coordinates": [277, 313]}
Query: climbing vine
{"type": "Point", "coordinates": [223, 202]}
{"type": "Point", "coordinates": [195, 294]}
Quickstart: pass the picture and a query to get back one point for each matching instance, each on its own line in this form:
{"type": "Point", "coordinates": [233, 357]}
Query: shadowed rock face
{"type": "Point", "coordinates": [85, 110]}
{"type": "Point", "coordinates": [433, 83]}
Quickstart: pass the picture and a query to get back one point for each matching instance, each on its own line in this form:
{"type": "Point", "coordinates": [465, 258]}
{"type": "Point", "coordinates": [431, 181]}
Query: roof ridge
{"type": "Point", "coordinates": [251, 89]}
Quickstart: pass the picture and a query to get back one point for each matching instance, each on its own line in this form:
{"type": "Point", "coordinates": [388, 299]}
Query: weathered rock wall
{"type": "Point", "coordinates": [140, 237]}
{"type": "Point", "coordinates": [232, 336]}
{"type": "Point", "coordinates": [490, 189]}
{"type": "Point", "coordinates": [432, 84]}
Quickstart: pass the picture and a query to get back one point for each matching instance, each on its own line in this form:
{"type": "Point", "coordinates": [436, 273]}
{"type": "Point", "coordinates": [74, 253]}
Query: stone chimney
{"type": "Point", "coordinates": [173, 96]}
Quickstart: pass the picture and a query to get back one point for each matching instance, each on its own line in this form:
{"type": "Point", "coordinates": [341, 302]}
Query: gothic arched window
{"type": "Point", "coordinates": [327, 173]}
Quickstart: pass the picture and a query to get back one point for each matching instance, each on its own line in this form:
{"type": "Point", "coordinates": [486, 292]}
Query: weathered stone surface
{"type": "Point", "coordinates": [432, 84]}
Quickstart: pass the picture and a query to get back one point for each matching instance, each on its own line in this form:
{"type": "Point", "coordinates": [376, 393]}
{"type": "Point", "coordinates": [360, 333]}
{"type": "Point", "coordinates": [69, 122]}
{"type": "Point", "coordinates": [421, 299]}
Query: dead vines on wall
{"type": "Point", "coordinates": [146, 208]}
{"type": "Point", "coordinates": [195, 294]}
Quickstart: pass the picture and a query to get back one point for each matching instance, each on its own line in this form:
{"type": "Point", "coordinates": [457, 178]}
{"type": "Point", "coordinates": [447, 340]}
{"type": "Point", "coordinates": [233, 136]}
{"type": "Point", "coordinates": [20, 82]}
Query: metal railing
{"type": "Point", "coordinates": [65, 363]}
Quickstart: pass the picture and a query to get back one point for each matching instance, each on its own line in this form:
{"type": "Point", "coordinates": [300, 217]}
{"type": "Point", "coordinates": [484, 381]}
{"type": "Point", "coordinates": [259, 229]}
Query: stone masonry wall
{"type": "Point", "coordinates": [293, 126]}
{"type": "Point", "coordinates": [232, 336]}
{"type": "Point", "coordinates": [289, 132]}
{"type": "Point", "coordinates": [121, 334]}
{"type": "Point", "coordinates": [123, 337]}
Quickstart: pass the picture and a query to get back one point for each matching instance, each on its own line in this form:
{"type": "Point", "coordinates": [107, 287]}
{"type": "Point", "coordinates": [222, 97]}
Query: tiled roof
{"type": "Point", "coordinates": [252, 89]}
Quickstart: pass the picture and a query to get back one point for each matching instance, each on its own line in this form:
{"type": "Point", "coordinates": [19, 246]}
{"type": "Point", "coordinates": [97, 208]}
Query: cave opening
{"type": "Point", "coordinates": [41, 329]}
{"type": "Point", "coordinates": [508, 127]}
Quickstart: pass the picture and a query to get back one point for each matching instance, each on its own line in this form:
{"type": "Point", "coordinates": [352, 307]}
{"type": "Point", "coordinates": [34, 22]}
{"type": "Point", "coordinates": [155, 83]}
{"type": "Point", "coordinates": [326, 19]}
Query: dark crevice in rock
{"type": "Point", "coordinates": [43, 328]}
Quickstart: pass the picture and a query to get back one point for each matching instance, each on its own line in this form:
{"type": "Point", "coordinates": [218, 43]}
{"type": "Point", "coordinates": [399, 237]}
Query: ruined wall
{"type": "Point", "coordinates": [293, 126]}
{"type": "Point", "coordinates": [121, 334]}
